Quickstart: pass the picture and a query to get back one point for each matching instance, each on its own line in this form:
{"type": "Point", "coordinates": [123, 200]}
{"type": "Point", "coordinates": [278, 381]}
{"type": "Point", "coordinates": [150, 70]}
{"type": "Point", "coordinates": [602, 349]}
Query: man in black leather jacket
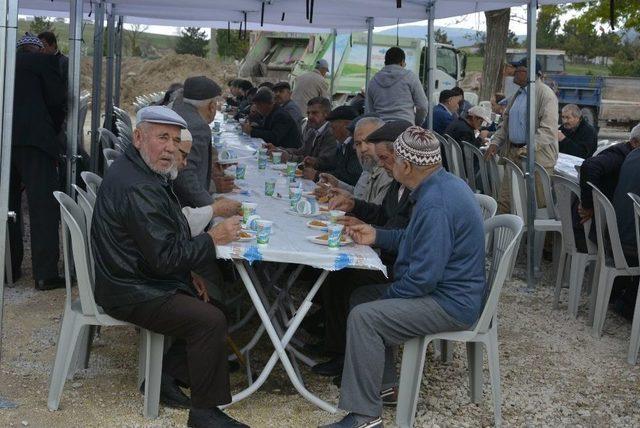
{"type": "Point", "coordinates": [144, 259]}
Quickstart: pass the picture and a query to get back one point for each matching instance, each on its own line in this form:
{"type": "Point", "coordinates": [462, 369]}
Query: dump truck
{"type": "Point", "coordinates": [277, 57]}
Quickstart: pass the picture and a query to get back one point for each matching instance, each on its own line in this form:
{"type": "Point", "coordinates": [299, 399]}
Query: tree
{"type": "Point", "coordinates": [192, 41]}
{"type": "Point", "coordinates": [230, 45]}
{"type": "Point", "coordinates": [548, 28]}
{"type": "Point", "coordinates": [494, 51]}
{"type": "Point", "coordinates": [40, 24]}
{"type": "Point", "coordinates": [133, 38]}
{"type": "Point", "coordinates": [626, 13]}
{"type": "Point", "coordinates": [627, 60]}
{"type": "Point", "coordinates": [441, 37]}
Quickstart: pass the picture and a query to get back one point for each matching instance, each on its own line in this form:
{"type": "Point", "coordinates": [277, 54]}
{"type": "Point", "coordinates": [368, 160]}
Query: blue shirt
{"type": "Point", "coordinates": [441, 252]}
{"type": "Point", "coordinates": [441, 119]}
{"type": "Point", "coordinates": [518, 118]}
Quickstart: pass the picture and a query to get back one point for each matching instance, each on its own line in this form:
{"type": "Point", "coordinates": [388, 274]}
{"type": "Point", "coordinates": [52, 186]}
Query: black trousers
{"type": "Point", "coordinates": [37, 171]}
{"type": "Point", "coordinates": [336, 292]}
{"type": "Point", "coordinates": [199, 356]}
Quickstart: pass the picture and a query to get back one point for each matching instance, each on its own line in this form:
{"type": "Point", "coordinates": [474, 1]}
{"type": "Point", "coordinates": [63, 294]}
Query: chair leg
{"type": "Point", "coordinates": [634, 343]}
{"type": "Point", "coordinates": [8, 268]}
{"type": "Point", "coordinates": [538, 248]}
{"type": "Point", "coordinates": [142, 356]}
{"type": "Point", "coordinates": [413, 357]}
{"type": "Point", "coordinates": [474, 362]}
{"type": "Point", "coordinates": [578, 266]}
{"type": "Point", "coordinates": [593, 293]}
{"type": "Point", "coordinates": [494, 372]}
{"type": "Point", "coordinates": [559, 279]}
{"type": "Point", "coordinates": [67, 343]}
{"type": "Point", "coordinates": [81, 354]}
{"type": "Point", "coordinates": [153, 373]}
{"type": "Point", "coordinates": [605, 284]}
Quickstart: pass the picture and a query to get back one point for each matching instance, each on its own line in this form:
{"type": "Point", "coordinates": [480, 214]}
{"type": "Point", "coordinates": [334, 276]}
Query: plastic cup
{"type": "Point", "coordinates": [307, 206]}
{"type": "Point", "coordinates": [227, 154]}
{"type": "Point", "coordinates": [269, 187]}
{"type": "Point", "coordinates": [334, 215]}
{"type": "Point", "coordinates": [241, 171]}
{"type": "Point", "coordinates": [252, 222]}
{"type": "Point", "coordinates": [277, 157]}
{"type": "Point", "coordinates": [216, 126]}
{"type": "Point", "coordinates": [334, 235]}
{"type": "Point", "coordinates": [262, 162]}
{"type": "Point", "coordinates": [295, 194]}
{"type": "Point", "coordinates": [248, 209]}
{"type": "Point", "coordinates": [291, 169]}
{"type": "Point", "coordinates": [263, 232]}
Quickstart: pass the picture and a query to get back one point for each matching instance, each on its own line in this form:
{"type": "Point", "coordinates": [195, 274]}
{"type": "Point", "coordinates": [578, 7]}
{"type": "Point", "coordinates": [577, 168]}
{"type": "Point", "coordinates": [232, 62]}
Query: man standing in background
{"type": "Point", "coordinates": [310, 85]}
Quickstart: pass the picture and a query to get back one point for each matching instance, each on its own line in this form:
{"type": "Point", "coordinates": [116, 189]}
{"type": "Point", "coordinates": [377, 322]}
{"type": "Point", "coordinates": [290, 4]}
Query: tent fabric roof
{"type": "Point", "coordinates": [327, 14]}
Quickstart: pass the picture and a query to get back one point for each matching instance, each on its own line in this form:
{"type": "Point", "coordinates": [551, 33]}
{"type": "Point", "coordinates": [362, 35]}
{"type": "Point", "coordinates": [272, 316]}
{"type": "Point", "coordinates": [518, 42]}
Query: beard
{"type": "Point", "coordinates": [170, 173]}
{"type": "Point", "coordinates": [368, 163]}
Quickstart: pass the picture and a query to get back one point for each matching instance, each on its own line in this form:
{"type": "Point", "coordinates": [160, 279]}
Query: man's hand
{"type": "Point", "coordinates": [310, 161]}
{"type": "Point", "coordinates": [328, 179]}
{"type": "Point", "coordinates": [246, 128]}
{"type": "Point", "coordinates": [200, 286]}
{"type": "Point", "coordinates": [224, 183]}
{"type": "Point", "coordinates": [342, 202]}
{"type": "Point", "coordinates": [585, 214]}
{"type": "Point", "coordinates": [362, 234]}
{"type": "Point", "coordinates": [491, 151]}
{"type": "Point", "coordinates": [226, 231]}
{"type": "Point", "coordinates": [270, 148]}
{"type": "Point", "coordinates": [349, 221]}
{"type": "Point", "coordinates": [309, 173]}
{"type": "Point", "coordinates": [224, 207]}
{"type": "Point", "coordinates": [561, 136]}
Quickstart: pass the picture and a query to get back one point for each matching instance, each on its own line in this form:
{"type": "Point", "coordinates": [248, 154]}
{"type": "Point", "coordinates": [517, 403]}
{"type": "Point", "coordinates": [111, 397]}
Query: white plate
{"type": "Point", "coordinates": [279, 166]}
{"type": "Point", "coordinates": [313, 226]}
{"type": "Point", "coordinates": [302, 215]}
{"type": "Point", "coordinates": [234, 160]}
{"type": "Point", "coordinates": [253, 236]}
{"type": "Point", "coordinates": [315, 240]}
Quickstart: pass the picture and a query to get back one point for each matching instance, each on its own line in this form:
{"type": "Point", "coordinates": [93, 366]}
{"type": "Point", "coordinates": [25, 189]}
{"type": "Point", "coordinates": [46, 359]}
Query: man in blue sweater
{"type": "Point", "coordinates": [439, 279]}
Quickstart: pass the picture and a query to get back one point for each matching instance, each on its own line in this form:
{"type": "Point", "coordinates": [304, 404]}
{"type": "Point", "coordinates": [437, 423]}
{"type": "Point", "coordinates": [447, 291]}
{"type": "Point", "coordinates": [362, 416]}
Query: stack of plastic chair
{"type": "Point", "coordinates": [110, 155]}
{"type": "Point", "coordinates": [83, 312]}
{"type": "Point", "coordinates": [503, 233]}
{"type": "Point", "coordinates": [493, 171]}
{"type": "Point", "coordinates": [456, 164]}
{"type": "Point", "coordinates": [634, 342]}
{"type": "Point", "coordinates": [473, 156]}
{"type": "Point", "coordinates": [93, 182]}
{"type": "Point", "coordinates": [488, 206]}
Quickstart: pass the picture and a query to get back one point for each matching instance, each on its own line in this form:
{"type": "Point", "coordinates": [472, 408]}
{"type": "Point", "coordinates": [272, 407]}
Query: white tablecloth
{"type": "Point", "coordinates": [566, 166]}
{"type": "Point", "coordinates": [288, 243]}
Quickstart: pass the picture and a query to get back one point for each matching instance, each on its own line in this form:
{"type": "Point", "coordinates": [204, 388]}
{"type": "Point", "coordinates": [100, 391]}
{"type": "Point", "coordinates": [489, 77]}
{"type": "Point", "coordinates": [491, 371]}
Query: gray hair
{"type": "Point", "coordinates": [635, 133]}
{"type": "Point", "coordinates": [573, 109]}
{"type": "Point", "coordinates": [371, 121]}
{"type": "Point", "coordinates": [198, 103]}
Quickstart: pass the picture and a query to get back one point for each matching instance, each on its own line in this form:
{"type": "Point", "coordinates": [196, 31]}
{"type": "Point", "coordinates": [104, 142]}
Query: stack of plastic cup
{"type": "Point", "coordinates": [248, 209]}
{"type": "Point", "coordinates": [269, 187]}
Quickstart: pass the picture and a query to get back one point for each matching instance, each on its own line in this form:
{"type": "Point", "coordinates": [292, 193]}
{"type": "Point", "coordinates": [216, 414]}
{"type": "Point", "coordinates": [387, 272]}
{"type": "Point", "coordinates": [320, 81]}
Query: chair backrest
{"type": "Point", "coordinates": [446, 148]}
{"type": "Point", "coordinates": [567, 193]}
{"type": "Point", "coordinates": [549, 210]}
{"type": "Point", "coordinates": [74, 224]}
{"type": "Point", "coordinates": [124, 130]}
{"type": "Point", "coordinates": [457, 158]}
{"type": "Point", "coordinates": [107, 139]}
{"type": "Point", "coordinates": [494, 177]}
{"type": "Point", "coordinates": [93, 182]}
{"type": "Point", "coordinates": [607, 229]}
{"type": "Point", "coordinates": [488, 206]}
{"type": "Point", "coordinates": [110, 155]}
{"type": "Point", "coordinates": [472, 157]}
{"type": "Point", "coordinates": [504, 232]}
{"type": "Point", "coordinates": [636, 209]}
{"type": "Point", "coordinates": [86, 201]}
{"type": "Point", "coordinates": [123, 116]}
{"type": "Point", "coordinates": [518, 189]}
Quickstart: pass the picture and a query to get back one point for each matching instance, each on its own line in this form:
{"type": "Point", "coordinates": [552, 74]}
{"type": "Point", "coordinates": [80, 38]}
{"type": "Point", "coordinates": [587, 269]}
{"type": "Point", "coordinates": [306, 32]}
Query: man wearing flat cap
{"type": "Point", "coordinates": [438, 278]}
{"type": "Point", "coordinates": [144, 258]}
{"type": "Point", "coordinates": [198, 108]}
{"type": "Point", "coordinates": [311, 84]}
{"type": "Point", "coordinates": [278, 127]}
{"type": "Point", "coordinates": [282, 93]}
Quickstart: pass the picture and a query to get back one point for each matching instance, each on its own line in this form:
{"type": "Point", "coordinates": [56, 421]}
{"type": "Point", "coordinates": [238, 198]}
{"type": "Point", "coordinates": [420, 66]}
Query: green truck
{"type": "Point", "coordinates": [277, 57]}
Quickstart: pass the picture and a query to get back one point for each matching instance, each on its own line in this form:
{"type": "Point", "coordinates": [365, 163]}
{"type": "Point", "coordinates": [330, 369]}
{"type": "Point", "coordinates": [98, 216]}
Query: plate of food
{"type": "Point", "coordinates": [318, 225]}
{"type": "Point", "coordinates": [279, 166]}
{"type": "Point", "coordinates": [324, 239]}
{"type": "Point", "coordinates": [245, 236]}
{"type": "Point", "coordinates": [292, 212]}
{"type": "Point", "coordinates": [323, 199]}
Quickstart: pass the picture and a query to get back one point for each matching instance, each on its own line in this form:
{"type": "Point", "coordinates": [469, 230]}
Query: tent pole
{"type": "Point", "coordinates": [73, 95]}
{"type": "Point", "coordinates": [108, 86]}
{"type": "Point", "coordinates": [531, 132]}
{"type": "Point", "coordinates": [98, 43]}
{"type": "Point", "coordinates": [431, 52]}
{"type": "Point", "coordinates": [8, 34]}
{"type": "Point", "coordinates": [369, 47]}
{"type": "Point", "coordinates": [334, 33]}
{"type": "Point", "coordinates": [118, 67]}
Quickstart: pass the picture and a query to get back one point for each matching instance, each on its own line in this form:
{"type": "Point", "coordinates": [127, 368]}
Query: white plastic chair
{"type": "Point", "coordinates": [493, 171]}
{"type": "Point", "coordinates": [448, 151]}
{"type": "Point", "coordinates": [634, 342]}
{"type": "Point", "coordinates": [110, 155]}
{"type": "Point", "coordinates": [83, 312]}
{"type": "Point", "coordinates": [456, 164]}
{"type": "Point", "coordinates": [488, 206]}
{"type": "Point", "coordinates": [566, 193]}
{"type": "Point", "coordinates": [504, 232]}
{"type": "Point", "coordinates": [611, 260]}
{"type": "Point", "coordinates": [93, 182]}
{"type": "Point", "coordinates": [473, 155]}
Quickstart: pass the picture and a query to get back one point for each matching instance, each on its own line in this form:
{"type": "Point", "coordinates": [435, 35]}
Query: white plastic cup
{"type": "Point", "coordinates": [334, 215]}
{"type": "Point", "coordinates": [252, 222]}
{"type": "Point", "coordinates": [334, 235]}
{"type": "Point", "coordinates": [263, 231]}
{"type": "Point", "coordinates": [248, 209]}
{"type": "Point", "coordinates": [277, 157]}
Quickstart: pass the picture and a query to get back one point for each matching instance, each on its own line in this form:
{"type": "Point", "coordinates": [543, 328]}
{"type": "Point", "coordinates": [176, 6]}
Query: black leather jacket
{"type": "Point", "coordinates": [141, 242]}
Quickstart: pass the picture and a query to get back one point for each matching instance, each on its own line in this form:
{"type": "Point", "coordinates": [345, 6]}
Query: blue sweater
{"type": "Point", "coordinates": [441, 252]}
{"type": "Point", "coordinates": [441, 119]}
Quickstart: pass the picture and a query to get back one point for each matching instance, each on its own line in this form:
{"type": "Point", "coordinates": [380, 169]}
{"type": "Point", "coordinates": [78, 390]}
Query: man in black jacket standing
{"type": "Point", "coordinates": [278, 127]}
{"type": "Point", "coordinates": [144, 259]}
{"type": "Point", "coordinates": [576, 136]}
{"type": "Point", "coordinates": [38, 115]}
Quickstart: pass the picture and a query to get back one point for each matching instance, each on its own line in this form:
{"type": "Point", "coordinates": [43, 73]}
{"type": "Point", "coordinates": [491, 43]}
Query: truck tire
{"type": "Point", "coordinates": [590, 116]}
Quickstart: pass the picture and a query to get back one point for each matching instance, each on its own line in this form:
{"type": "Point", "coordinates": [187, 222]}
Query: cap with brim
{"type": "Point", "coordinates": [480, 112]}
{"type": "Point", "coordinates": [322, 63]}
{"type": "Point", "coordinates": [281, 85]}
{"type": "Point", "coordinates": [201, 88]}
{"type": "Point", "coordinates": [352, 126]}
{"type": "Point", "coordinates": [160, 114]}
{"type": "Point", "coordinates": [390, 131]}
{"type": "Point", "coordinates": [523, 63]}
{"type": "Point", "coordinates": [342, 113]}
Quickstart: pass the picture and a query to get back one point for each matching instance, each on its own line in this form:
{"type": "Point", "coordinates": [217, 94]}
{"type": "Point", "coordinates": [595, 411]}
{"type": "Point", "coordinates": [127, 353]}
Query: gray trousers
{"type": "Point", "coordinates": [374, 328]}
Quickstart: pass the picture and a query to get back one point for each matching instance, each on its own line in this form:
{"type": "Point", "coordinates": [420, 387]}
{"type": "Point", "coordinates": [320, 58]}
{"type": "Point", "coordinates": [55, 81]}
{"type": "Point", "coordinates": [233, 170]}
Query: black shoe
{"type": "Point", "coordinates": [356, 421]}
{"type": "Point", "coordinates": [331, 368]}
{"type": "Point", "coordinates": [170, 394]}
{"type": "Point", "coordinates": [212, 418]}
{"type": "Point", "coordinates": [50, 284]}
{"type": "Point", "coordinates": [337, 381]}
{"type": "Point", "coordinates": [389, 396]}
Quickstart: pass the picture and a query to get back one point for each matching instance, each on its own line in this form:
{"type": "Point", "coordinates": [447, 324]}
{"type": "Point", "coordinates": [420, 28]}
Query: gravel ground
{"type": "Point", "coordinates": [553, 373]}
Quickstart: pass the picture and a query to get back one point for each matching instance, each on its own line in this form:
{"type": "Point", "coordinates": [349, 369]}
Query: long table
{"type": "Point", "coordinates": [568, 165]}
{"type": "Point", "coordinates": [288, 245]}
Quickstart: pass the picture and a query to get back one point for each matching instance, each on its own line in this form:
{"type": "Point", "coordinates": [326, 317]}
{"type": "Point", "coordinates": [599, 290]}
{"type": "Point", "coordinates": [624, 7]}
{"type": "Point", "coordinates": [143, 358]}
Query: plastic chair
{"type": "Point", "coordinates": [504, 232]}
{"type": "Point", "coordinates": [83, 312]}
{"type": "Point", "coordinates": [457, 159]}
{"type": "Point", "coordinates": [566, 193]}
{"type": "Point", "coordinates": [493, 171]}
{"type": "Point", "coordinates": [107, 139]}
{"type": "Point", "coordinates": [93, 182]}
{"type": "Point", "coordinates": [447, 149]}
{"type": "Point", "coordinates": [110, 155]}
{"type": "Point", "coordinates": [611, 260]}
{"type": "Point", "coordinates": [634, 342]}
{"type": "Point", "coordinates": [488, 205]}
{"type": "Point", "coordinates": [473, 155]}
{"type": "Point", "coordinates": [123, 116]}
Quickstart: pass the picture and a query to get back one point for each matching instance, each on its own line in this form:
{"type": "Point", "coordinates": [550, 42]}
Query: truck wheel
{"type": "Point", "coordinates": [589, 115]}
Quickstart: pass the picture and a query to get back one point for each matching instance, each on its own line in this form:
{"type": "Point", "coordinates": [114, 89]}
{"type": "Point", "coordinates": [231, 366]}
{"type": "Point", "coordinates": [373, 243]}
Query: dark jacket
{"type": "Point", "coordinates": [460, 130]}
{"type": "Point", "coordinates": [192, 184]}
{"type": "Point", "coordinates": [294, 111]}
{"type": "Point", "coordinates": [319, 144]}
{"type": "Point", "coordinates": [279, 129]}
{"type": "Point", "coordinates": [581, 141]}
{"type": "Point", "coordinates": [141, 242]}
{"type": "Point", "coordinates": [347, 167]}
{"type": "Point", "coordinates": [39, 104]}
{"type": "Point", "coordinates": [392, 214]}
{"type": "Point", "coordinates": [603, 171]}
{"type": "Point", "coordinates": [629, 182]}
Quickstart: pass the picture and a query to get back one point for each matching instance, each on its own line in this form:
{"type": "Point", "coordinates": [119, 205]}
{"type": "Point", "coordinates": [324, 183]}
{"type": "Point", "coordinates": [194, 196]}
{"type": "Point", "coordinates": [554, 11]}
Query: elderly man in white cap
{"type": "Point", "coordinates": [310, 85]}
{"type": "Point", "coordinates": [467, 128]}
{"type": "Point", "coordinates": [439, 279]}
{"type": "Point", "coordinates": [144, 258]}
